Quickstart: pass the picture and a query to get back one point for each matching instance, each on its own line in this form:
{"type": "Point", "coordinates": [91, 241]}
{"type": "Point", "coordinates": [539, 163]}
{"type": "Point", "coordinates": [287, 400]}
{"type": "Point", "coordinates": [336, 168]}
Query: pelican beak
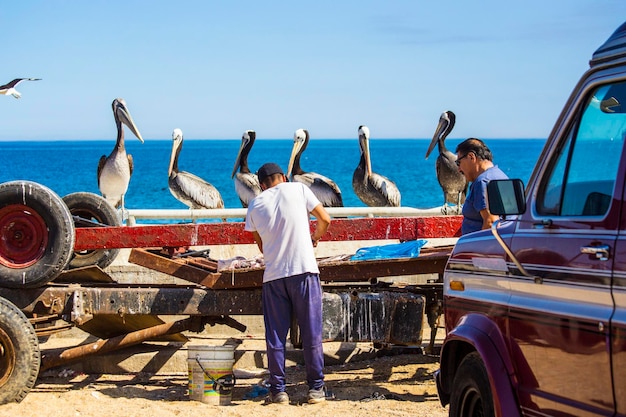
{"type": "Point", "coordinates": [126, 118]}
{"type": "Point", "coordinates": [365, 148]}
{"type": "Point", "coordinates": [177, 140]}
{"type": "Point", "coordinates": [438, 132]}
{"type": "Point", "coordinates": [237, 160]}
{"type": "Point", "coordinates": [297, 145]}
{"type": "Point", "coordinates": [244, 141]}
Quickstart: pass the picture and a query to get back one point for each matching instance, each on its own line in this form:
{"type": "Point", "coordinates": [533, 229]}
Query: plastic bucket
{"type": "Point", "coordinates": [211, 376]}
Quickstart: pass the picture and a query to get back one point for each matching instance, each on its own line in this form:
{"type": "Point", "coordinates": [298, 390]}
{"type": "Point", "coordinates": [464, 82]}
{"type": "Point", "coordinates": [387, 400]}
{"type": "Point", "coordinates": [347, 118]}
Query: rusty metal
{"type": "Point", "coordinates": [49, 324]}
{"type": "Point", "coordinates": [50, 330]}
{"type": "Point", "coordinates": [230, 233]}
{"type": "Point", "coordinates": [53, 359]}
{"type": "Point", "coordinates": [154, 300]}
{"type": "Point", "coordinates": [105, 326]}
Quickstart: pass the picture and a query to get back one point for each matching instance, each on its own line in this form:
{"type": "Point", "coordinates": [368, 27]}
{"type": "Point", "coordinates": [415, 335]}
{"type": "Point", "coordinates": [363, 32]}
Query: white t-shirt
{"type": "Point", "coordinates": [281, 217]}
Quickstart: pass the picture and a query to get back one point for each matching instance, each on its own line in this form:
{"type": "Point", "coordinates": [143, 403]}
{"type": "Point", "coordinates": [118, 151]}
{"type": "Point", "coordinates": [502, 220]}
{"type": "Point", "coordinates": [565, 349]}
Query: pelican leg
{"type": "Point", "coordinates": [459, 205]}
{"type": "Point", "coordinates": [123, 212]}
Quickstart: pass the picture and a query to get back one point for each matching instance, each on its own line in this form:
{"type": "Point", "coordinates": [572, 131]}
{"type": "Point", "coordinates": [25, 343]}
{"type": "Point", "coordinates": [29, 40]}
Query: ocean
{"type": "Point", "coordinates": [70, 166]}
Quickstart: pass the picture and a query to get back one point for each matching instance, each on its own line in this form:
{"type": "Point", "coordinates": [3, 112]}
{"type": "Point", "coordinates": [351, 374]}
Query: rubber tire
{"type": "Point", "coordinates": [471, 391]}
{"type": "Point", "coordinates": [93, 207]}
{"type": "Point", "coordinates": [20, 357]}
{"type": "Point", "coordinates": [294, 333]}
{"type": "Point", "coordinates": [36, 235]}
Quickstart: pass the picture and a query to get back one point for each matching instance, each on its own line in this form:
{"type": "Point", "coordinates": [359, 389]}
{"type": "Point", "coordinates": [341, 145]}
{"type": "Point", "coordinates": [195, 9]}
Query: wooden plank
{"type": "Point", "coordinates": [203, 263]}
{"type": "Point", "coordinates": [231, 233]}
{"type": "Point", "coordinates": [179, 268]}
{"type": "Point", "coordinates": [429, 261]}
{"type": "Point", "coordinates": [367, 270]}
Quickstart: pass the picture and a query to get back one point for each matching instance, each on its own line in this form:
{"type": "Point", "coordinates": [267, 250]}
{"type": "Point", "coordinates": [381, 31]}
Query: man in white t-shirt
{"type": "Point", "coordinates": [279, 220]}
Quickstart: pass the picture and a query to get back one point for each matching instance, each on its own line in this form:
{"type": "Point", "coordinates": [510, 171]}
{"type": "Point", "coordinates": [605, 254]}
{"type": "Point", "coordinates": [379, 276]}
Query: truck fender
{"type": "Point", "coordinates": [476, 332]}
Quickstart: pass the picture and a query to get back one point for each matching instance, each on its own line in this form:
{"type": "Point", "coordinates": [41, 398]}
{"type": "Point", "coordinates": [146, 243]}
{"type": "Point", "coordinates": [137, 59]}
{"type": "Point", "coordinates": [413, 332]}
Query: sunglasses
{"type": "Point", "coordinates": [458, 161]}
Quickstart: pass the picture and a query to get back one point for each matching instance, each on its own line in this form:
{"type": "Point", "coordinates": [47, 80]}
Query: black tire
{"type": "Point", "coordinates": [36, 234]}
{"type": "Point", "coordinates": [471, 392]}
{"type": "Point", "coordinates": [92, 207]}
{"type": "Point", "coordinates": [19, 354]}
{"type": "Point", "coordinates": [294, 333]}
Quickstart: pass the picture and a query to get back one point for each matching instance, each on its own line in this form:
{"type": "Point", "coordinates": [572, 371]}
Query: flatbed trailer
{"type": "Point", "coordinates": [357, 306]}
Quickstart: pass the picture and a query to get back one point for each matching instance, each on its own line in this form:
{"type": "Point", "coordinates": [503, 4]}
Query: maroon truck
{"type": "Point", "coordinates": [535, 308]}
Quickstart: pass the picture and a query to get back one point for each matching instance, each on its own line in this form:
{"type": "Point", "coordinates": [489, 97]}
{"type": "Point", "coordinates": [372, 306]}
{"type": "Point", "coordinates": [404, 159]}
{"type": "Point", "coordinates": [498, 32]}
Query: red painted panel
{"type": "Point", "coordinates": [199, 234]}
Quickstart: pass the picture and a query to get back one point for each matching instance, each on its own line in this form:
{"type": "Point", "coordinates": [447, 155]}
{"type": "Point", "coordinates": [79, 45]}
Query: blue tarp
{"type": "Point", "coordinates": [409, 249]}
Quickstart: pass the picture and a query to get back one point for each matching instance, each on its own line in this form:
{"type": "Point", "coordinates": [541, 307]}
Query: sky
{"type": "Point", "coordinates": [216, 68]}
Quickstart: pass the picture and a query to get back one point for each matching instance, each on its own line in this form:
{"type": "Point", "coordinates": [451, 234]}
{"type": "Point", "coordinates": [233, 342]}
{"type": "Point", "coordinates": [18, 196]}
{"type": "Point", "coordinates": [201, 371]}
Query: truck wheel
{"type": "Point", "coordinates": [36, 234]}
{"type": "Point", "coordinates": [19, 354]}
{"type": "Point", "coordinates": [94, 208]}
{"type": "Point", "coordinates": [471, 392]}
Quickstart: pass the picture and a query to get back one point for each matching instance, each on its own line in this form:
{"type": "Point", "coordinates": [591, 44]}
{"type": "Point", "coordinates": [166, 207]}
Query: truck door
{"type": "Point", "coordinates": [618, 321]}
{"type": "Point", "coordinates": [560, 318]}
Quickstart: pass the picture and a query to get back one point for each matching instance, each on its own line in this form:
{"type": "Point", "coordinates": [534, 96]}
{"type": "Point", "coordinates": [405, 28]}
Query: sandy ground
{"type": "Point", "coordinates": [398, 385]}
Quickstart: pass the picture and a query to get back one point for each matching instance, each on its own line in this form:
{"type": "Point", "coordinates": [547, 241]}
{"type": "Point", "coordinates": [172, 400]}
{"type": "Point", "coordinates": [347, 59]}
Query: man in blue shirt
{"type": "Point", "coordinates": [475, 162]}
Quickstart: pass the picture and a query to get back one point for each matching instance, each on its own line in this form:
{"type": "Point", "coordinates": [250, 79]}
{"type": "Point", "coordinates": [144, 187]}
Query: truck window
{"type": "Point", "coordinates": [582, 174]}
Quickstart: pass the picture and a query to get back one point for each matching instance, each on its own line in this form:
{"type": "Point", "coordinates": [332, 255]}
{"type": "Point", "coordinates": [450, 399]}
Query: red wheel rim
{"type": "Point", "coordinates": [7, 357]}
{"type": "Point", "coordinates": [23, 236]}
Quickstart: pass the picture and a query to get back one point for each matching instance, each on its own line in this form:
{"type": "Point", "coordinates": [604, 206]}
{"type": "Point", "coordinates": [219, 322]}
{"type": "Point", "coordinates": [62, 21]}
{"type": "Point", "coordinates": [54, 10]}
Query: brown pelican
{"type": "Point", "coordinates": [373, 189]}
{"type": "Point", "coordinates": [453, 183]}
{"type": "Point", "coordinates": [246, 183]}
{"type": "Point", "coordinates": [325, 189]}
{"type": "Point", "coordinates": [9, 88]}
{"type": "Point", "coordinates": [189, 189]}
{"type": "Point", "coordinates": [114, 171]}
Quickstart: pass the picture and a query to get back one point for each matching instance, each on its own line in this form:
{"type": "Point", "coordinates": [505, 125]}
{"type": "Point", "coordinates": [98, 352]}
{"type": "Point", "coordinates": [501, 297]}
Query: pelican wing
{"type": "Point", "coordinates": [130, 163]}
{"type": "Point", "coordinates": [325, 189]}
{"type": "Point", "coordinates": [198, 191]}
{"type": "Point", "coordinates": [247, 187]}
{"type": "Point", "coordinates": [387, 189]}
{"type": "Point", "coordinates": [103, 160]}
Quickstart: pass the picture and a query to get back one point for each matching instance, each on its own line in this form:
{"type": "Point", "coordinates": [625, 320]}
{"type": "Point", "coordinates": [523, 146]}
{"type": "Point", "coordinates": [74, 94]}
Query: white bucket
{"type": "Point", "coordinates": [211, 376]}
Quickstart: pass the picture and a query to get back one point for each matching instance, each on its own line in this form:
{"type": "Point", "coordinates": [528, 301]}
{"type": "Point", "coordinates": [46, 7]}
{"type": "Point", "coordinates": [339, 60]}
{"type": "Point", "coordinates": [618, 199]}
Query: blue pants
{"type": "Point", "coordinates": [300, 295]}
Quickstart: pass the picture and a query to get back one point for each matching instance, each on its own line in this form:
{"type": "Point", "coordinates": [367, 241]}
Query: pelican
{"type": "Point", "coordinates": [114, 171]}
{"type": "Point", "coordinates": [373, 189]}
{"type": "Point", "coordinates": [191, 190]}
{"type": "Point", "coordinates": [9, 88]}
{"type": "Point", "coordinates": [453, 183]}
{"type": "Point", "coordinates": [325, 189]}
{"type": "Point", "coordinates": [246, 183]}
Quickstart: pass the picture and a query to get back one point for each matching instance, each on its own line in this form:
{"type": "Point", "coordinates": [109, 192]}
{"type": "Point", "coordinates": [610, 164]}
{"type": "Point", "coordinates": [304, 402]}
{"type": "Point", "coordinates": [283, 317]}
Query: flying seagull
{"type": "Point", "coordinates": [9, 88]}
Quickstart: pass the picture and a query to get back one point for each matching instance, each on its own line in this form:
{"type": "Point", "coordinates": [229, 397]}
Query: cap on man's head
{"type": "Point", "coordinates": [268, 170]}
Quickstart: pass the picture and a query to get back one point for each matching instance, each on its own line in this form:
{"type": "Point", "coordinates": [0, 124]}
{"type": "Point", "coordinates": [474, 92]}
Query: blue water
{"type": "Point", "coordinates": [70, 166]}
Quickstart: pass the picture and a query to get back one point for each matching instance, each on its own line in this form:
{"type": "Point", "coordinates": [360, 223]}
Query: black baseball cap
{"type": "Point", "coordinates": [268, 170]}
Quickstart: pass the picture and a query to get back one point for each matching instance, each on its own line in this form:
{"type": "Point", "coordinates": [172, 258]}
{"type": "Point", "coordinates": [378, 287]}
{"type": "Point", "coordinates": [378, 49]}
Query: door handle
{"type": "Point", "coordinates": [601, 252]}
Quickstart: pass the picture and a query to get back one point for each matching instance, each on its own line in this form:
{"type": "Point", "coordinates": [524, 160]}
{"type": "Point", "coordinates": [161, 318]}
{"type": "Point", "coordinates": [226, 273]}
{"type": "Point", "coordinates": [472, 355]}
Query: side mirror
{"type": "Point", "coordinates": [506, 197]}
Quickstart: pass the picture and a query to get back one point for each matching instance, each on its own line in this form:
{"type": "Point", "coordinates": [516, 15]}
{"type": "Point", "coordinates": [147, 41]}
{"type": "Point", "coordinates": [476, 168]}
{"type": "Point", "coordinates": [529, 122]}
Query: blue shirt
{"type": "Point", "coordinates": [476, 199]}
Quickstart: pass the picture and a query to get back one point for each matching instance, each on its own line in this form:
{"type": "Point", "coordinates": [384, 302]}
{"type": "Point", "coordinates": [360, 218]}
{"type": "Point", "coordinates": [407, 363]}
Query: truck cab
{"type": "Point", "coordinates": [535, 308]}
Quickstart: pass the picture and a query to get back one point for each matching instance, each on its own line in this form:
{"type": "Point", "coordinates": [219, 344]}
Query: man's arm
{"type": "Point", "coordinates": [323, 221]}
{"type": "Point", "coordinates": [488, 218]}
{"type": "Point", "coordinates": [257, 239]}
